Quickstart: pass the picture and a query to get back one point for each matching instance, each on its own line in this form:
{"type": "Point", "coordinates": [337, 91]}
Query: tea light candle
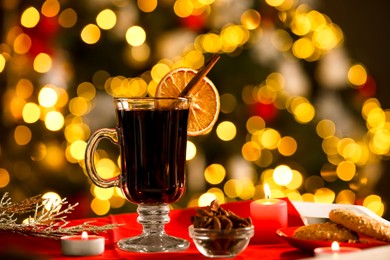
{"type": "Point", "coordinates": [268, 215]}
{"type": "Point", "coordinates": [334, 250]}
{"type": "Point", "coordinates": [82, 245]}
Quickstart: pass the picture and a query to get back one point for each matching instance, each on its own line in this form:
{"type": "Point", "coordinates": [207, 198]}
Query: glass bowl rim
{"type": "Point", "coordinates": [234, 231]}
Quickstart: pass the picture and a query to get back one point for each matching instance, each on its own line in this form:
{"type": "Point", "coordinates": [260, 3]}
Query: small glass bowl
{"type": "Point", "coordinates": [221, 243]}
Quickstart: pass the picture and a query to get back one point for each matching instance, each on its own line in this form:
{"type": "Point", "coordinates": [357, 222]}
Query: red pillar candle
{"type": "Point", "coordinates": [268, 215]}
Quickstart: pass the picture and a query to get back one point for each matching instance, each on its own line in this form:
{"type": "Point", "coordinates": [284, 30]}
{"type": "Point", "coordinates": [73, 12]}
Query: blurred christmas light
{"type": "Point", "coordinates": [4, 178]}
{"type": "Point", "coordinates": [147, 6]}
{"type": "Point", "coordinates": [250, 19]}
{"type": "Point", "coordinates": [214, 174]}
{"type": "Point", "coordinates": [255, 123]}
{"type": "Point", "coordinates": [30, 17]}
{"type": "Point", "coordinates": [100, 207]}
{"type": "Point", "coordinates": [324, 195]}
{"type": "Point", "coordinates": [22, 43]}
{"type": "Point", "coordinates": [218, 193]}
{"type": "Point", "coordinates": [31, 113]}
{"type": "Point", "coordinates": [226, 131]}
{"type": "Point", "coordinates": [251, 151]}
{"type": "Point", "coordinates": [52, 201]}
{"type": "Point", "coordinates": [54, 120]}
{"type": "Point", "coordinates": [135, 36]}
{"type": "Point", "coordinates": [42, 63]}
{"type": "Point", "coordinates": [269, 138]}
{"type": "Point", "coordinates": [90, 34]}
{"type": "Point", "coordinates": [287, 146]}
{"type": "Point", "coordinates": [77, 149]}
{"type": "Point", "coordinates": [47, 97]}
{"type": "Point", "coordinates": [325, 128]}
{"type": "Point", "coordinates": [374, 203]}
{"type": "Point", "coordinates": [106, 168]}
{"type": "Point", "coordinates": [53, 156]}
{"type": "Point", "coordinates": [191, 151]}
{"type": "Point", "coordinates": [275, 2]}
{"type": "Point", "coordinates": [228, 103]}
{"type": "Point", "coordinates": [300, 24]}
{"type": "Point", "coordinates": [205, 199]}
{"type": "Point", "coordinates": [50, 8]}
{"type": "Point", "coordinates": [303, 48]}
{"type": "Point", "coordinates": [103, 193]}
{"type": "Point", "coordinates": [183, 8]}
{"type": "Point", "coordinates": [22, 135]}
{"type": "Point", "coordinates": [106, 19]}
{"type": "Point", "coordinates": [296, 181]}
{"type": "Point", "coordinates": [67, 18]}
{"type": "Point", "coordinates": [233, 188]}
{"type": "Point", "coordinates": [357, 75]}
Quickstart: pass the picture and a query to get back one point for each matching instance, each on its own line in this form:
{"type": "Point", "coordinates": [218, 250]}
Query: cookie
{"type": "Point", "coordinates": [361, 223]}
{"type": "Point", "coordinates": [326, 231]}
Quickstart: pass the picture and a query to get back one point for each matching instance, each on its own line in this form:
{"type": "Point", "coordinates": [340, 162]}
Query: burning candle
{"type": "Point", "coordinates": [82, 245]}
{"type": "Point", "coordinates": [268, 215]}
{"type": "Point", "coordinates": [334, 250]}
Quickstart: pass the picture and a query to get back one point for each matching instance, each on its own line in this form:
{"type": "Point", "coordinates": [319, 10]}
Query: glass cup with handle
{"type": "Point", "coordinates": [152, 136]}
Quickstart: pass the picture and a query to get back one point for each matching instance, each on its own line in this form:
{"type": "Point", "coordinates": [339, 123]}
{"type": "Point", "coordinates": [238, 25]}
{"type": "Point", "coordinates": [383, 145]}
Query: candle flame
{"type": "Point", "coordinates": [267, 191]}
{"type": "Point", "coordinates": [84, 235]}
{"type": "Point", "coordinates": [335, 246]}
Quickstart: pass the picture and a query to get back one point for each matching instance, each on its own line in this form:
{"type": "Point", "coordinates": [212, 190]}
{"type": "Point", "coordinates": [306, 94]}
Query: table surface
{"type": "Point", "coordinates": [27, 247]}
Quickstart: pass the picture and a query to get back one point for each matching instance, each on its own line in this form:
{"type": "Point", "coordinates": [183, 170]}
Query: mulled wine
{"type": "Point", "coordinates": [153, 154]}
{"type": "Point", "coordinates": [152, 136]}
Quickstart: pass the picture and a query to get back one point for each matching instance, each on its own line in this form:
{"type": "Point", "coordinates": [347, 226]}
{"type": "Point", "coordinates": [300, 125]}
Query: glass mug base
{"type": "Point", "coordinates": [153, 217]}
{"type": "Point", "coordinates": [153, 243]}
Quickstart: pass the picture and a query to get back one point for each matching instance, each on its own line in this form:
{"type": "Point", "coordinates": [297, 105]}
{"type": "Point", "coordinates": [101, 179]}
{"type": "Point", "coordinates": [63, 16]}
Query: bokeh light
{"type": "Point", "coordinates": [205, 199]}
{"type": "Point", "coordinates": [47, 96]}
{"type": "Point", "coordinates": [67, 18]}
{"type": "Point", "coordinates": [100, 207]}
{"type": "Point", "coordinates": [42, 63]}
{"type": "Point", "coordinates": [251, 19]}
{"type": "Point", "coordinates": [22, 135]}
{"type": "Point", "coordinates": [4, 178]}
{"type": "Point", "coordinates": [30, 17]}
{"type": "Point", "coordinates": [54, 120]}
{"type": "Point", "coordinates": [226, 130]}
{"type": "Point", "coordinates": [90, 34]}
{"type": "Point", "coordinates": [135, 36]}
{"type": "Point", "coordinates": [31, 113]}
{"type": "Point", "coordinates": [357, 75]}
{"type": "Point", "coordinates": [22, 44]}
{"type": "Point", "coordinates": [215, 174]}
{"type": "Point", "coordinates": [191, 151]}
{"type": "Point", "coordinates": [147, 6]}
{"type": "Point", "coordinates": [52, 201]}
{"type": "Point", "coordinates": [106, 19]}
{"type": "Point", "coordinates": [50, 8]}
{"type": "Point", "coordinates": [282, 175]}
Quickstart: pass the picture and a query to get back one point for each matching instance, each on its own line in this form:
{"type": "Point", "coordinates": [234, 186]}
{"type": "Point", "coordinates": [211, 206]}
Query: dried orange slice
{"type": "Point", "coordinates": [205, 103]}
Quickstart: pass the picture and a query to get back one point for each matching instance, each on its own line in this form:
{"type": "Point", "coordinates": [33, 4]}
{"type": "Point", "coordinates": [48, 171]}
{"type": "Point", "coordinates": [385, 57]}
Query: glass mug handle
{"type": "Point", "coordinates": [92, 144]}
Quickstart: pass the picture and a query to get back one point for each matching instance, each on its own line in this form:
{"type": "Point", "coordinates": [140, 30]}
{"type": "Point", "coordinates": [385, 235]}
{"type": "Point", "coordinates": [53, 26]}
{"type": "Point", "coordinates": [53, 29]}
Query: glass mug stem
{"type": "Point", "coordinates": [153, 237]}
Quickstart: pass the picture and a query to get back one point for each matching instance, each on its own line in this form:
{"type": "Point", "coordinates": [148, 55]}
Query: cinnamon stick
{"type": "Point", "coordinates": [200, 75]}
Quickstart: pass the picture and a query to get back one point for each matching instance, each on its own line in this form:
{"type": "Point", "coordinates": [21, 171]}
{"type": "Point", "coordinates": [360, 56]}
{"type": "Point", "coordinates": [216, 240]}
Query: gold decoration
{"type": "Point", "coordinates": [48, 221]}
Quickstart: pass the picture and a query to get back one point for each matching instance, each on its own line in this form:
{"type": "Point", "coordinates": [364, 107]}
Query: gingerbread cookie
{"type": "Point", "coordinates": [361, 223]}
{"type": "Point", "coordinates": [326, 231]}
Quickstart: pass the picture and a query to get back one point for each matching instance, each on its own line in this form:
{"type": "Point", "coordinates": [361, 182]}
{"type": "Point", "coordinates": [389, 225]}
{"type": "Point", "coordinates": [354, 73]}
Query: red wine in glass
{"type": "Point", "coordinates": [153, 154]}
